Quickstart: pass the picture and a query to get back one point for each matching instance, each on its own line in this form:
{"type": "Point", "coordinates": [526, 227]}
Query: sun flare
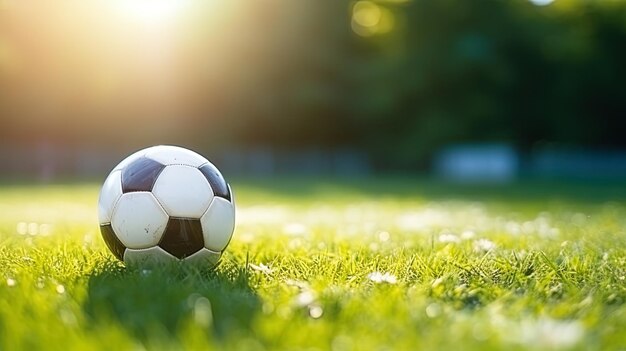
{"type": "Point", "coordinates": [151, 12]}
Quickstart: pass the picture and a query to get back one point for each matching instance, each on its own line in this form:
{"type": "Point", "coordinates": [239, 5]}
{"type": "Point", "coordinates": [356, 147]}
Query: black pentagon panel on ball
{"type": "Point", "coordinates": [111, 240]}
{"type": "Point", "coordinates": [182, 237]}
{"type": "Point", "coordinates": [218, 184]}
{"type": "Point", "coordinates": [140, 175]}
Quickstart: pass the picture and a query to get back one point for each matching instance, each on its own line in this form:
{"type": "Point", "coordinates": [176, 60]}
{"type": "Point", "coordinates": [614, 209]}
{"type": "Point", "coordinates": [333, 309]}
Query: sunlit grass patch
{"type": "Point", "coordinates": [328, 265]}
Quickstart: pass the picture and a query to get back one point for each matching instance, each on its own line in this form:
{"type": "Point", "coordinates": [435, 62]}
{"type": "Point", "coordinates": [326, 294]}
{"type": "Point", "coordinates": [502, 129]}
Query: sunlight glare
{"type": "Point", "coordinates": [152, 12]}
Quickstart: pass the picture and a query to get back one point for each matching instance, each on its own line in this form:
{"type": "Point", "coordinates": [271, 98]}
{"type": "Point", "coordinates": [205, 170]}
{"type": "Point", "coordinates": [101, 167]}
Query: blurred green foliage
{"type": "Point", "coordinates": [459, 71]}
{"type": "Point", "coordinates": [395, 78]}
{"type": "Point", "coordinates": [426, 73]}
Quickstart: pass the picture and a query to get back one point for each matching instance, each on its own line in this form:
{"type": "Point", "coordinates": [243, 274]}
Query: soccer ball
{"type": "Point", "coordinates": [166, 203]}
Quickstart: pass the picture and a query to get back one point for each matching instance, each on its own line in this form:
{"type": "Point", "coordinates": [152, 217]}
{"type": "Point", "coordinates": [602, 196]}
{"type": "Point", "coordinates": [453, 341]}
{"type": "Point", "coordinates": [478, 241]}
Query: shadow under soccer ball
{"type": "Point", "coordinates": [148, 303]}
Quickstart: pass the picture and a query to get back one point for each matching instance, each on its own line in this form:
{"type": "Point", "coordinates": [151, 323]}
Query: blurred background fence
{"type": "Point", "coordinates": [487, 88]}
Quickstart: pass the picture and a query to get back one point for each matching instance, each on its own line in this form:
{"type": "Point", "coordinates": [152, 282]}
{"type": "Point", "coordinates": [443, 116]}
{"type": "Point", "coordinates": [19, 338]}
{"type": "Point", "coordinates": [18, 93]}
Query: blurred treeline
{"type": "Point", "coordinates": [397, 79]}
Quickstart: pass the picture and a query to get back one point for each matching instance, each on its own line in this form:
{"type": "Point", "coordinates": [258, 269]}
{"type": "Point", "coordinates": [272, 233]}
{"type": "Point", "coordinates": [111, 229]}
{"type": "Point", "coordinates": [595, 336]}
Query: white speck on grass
{"type": "Point", "coordinates": [449, 238]}
{"type": "Point", "coordinates": [433, 310]}
{"type": "Point", "coordinates": [378, 277]}
{"type": "Point", "coordinates": [305, 298]}
{"type": "Point", "coordinates": [315, 312]}
{"type": "Point", "coordinates": [483, 245]}
{"type": "Point", "coordinates": [11, 282]}
{"type": "Point", "coordinates": [60, 289]}
{"type": "Point", "coordinates": [261, 268]}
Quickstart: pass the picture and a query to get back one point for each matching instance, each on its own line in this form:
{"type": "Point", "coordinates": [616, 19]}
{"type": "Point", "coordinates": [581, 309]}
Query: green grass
{"type": "Point", "coordinates": [314, 265]}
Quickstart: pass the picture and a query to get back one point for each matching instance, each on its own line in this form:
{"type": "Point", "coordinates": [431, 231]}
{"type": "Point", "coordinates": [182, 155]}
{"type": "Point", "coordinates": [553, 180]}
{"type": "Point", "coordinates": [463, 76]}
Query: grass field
{"type": "Point", "coordinates": [364, 265]}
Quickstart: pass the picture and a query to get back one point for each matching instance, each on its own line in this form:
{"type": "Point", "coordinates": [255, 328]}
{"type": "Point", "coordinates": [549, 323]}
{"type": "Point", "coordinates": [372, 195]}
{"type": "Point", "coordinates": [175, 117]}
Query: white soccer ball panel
{"type": "Point", "coordinates": [174, 155]}
{"type": "Point", "coordinates": [110, 193]}
{"type": "Point", "coordinates": [138, 220]}
{"type": "Point", "coordinates": [183, 191]}
{"type": "Point", "coordinates": [204, 257]}
{"type": "Point", "coordinates": [152, 255]}
{"type": "Point", "coordinates": [218, 224]}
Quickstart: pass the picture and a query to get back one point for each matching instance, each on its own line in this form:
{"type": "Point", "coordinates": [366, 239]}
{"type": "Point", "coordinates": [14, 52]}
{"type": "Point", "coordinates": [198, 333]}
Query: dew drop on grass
{"type": "Point", "coordinates": [305, 298]}
{"type": "Point", "coordinates": [483, 245]}
{"type": "Point", "coordinates": [315, 312]}
{"type": "Point", "coordinates": [378, 277]}
{"type": "Point", "coordinates": [433, 310]}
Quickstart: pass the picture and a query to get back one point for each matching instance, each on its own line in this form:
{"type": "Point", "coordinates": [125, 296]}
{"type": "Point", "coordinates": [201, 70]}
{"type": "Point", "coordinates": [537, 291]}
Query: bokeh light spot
{"type": "Point", "coordinates": [366, 13]}
{"type": "Point", "coordinates": [542, 2]}
{"type": "Point", "coordinates": [368, 19]}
